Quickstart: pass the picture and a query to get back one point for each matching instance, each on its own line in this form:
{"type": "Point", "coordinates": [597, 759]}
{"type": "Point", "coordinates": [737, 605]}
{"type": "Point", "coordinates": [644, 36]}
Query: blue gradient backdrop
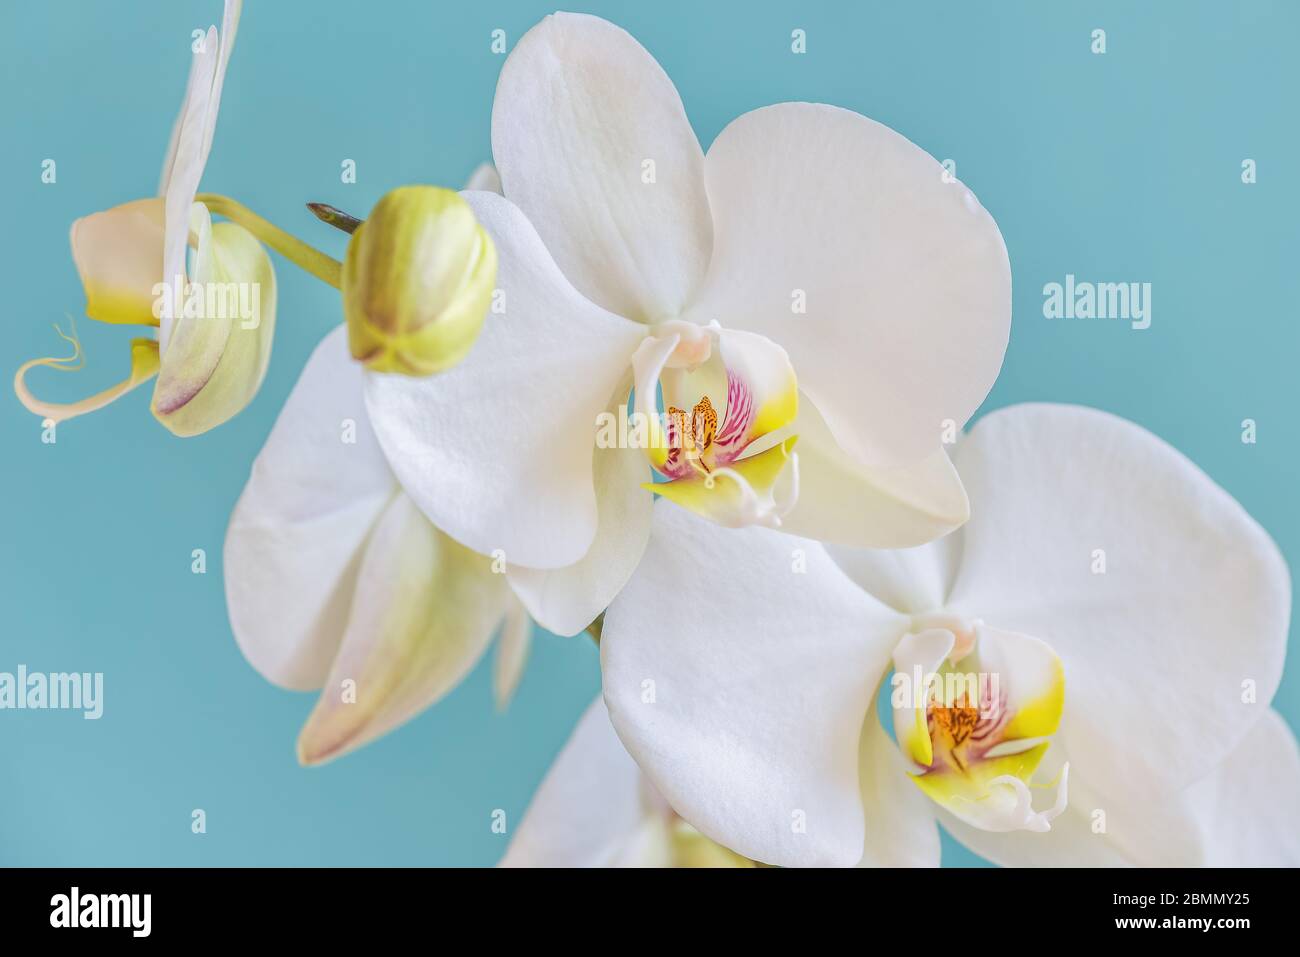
{"type": "Point", "coordinates": [1117, 167]}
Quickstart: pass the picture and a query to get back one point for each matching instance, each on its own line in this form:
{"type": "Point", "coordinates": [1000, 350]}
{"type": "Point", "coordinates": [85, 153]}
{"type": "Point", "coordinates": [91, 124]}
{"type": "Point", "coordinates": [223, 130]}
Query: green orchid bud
{"type": "Point", "coordinates": [417, 282]}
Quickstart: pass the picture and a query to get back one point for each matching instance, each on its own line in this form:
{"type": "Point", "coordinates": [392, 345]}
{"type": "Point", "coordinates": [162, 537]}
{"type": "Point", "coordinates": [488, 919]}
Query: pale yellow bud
{"type": "Point", "coordinates": [417, 282]}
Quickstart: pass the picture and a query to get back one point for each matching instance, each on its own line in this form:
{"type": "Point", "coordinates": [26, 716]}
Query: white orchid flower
{"type": "Point", "coordinates": [132, 263]}
{"type": "Point", "coordinates": [335, 580]}
{"type": "Point", "coordinates": [1134, 616]}
{"type": "Point", "coordinates": [596, 809]}
{"type": "Point", "coordinates": [808, 241]}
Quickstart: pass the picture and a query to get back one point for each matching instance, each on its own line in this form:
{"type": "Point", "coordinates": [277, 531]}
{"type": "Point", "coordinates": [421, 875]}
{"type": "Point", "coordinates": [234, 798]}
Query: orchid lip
{"type": "Point", "coordinates": [724, 440]}
{"type": "Point", "coordinates": [975, 740]}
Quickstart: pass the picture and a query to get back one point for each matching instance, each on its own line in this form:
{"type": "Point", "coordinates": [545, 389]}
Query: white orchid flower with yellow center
{"type": "Point", "coordinates": [334, 579]}
{"type": "Point", "coordinates": [814, 275]}
{"type": "Point", "coordinates": [596, 809]}
{"type": "Point", "coordinates": [208, 290]}
{"type": "Point", "coordinates": [1118, 623]}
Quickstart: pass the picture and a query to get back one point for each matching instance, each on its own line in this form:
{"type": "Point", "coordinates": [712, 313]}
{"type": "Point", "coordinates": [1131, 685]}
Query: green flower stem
{"type": "Point", "coordinates": [323, 267]}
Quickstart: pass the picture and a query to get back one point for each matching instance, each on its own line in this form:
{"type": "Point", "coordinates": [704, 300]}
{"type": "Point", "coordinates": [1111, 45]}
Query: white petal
{"type": "Point", "coordinates": [581, 109]}
{"type": "Point", "coordinates": [738, 668]}
{"type": "Point", "coordinates": [913, 581]}
{"type": "Point", "coordinates": [589, 809]}
{"type": "Point", "coordinates": [484, 177]}
{"type": "Point", "coordinates": [190, 144]}
{"type": "Point", "coordinates": [1070, 843]}
{"type": "Point", "coordinates": [1194, 599]}
{"type": "Point", "coordinates": [229, 27]}
{"type": "Point", "coordinates": [498, 450]}
{"type": "Point", "coordinates": [903, 277]}
{"type": "Point", "coordinates": [900, 824]}
{"type": "Point", "coordinates": [424, 611]}
{"type": "Point", "coordinates": [202, 73]}
{"type": "Point", "coordinates": [566, 600]}
{"type": "Point", "coordinates": [199, 75]}
{"type": "Point", "coordinates": [1247, 808]}
{"type": "Point", "coordinates": [296, 535]}
{"type": "Point", "coordinates": [512, 651]}
{"type": "Point", "coordinates": [186, 171]}
{"type": "Point", "coordinates": [844, 501]}
{"type": "Point", "coordinates": [651, 845]}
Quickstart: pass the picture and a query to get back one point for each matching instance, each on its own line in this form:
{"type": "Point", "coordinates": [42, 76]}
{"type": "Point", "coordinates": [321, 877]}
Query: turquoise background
{"type": "Point", "coordinates": [1124, 166]}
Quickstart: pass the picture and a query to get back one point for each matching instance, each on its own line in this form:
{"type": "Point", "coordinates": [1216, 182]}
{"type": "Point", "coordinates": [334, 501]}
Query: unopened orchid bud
{"type": "Point", "coordinates": [417, 282]}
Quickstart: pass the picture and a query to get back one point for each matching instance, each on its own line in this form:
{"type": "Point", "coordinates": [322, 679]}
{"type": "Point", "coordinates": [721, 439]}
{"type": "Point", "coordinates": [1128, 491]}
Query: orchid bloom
{"type": "Point", "coordinates": [1123, 620]}
{"type": "Point", "coordinates": [384, 611]}
{"type": "Point", "coordinates": [215, 317]}
{"type": "Point", "coordinates": [596, 809]}
{"type": "Point", "coordinates": [335, 580]}
{"type": "Point", "coordinates": [809, 242]}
